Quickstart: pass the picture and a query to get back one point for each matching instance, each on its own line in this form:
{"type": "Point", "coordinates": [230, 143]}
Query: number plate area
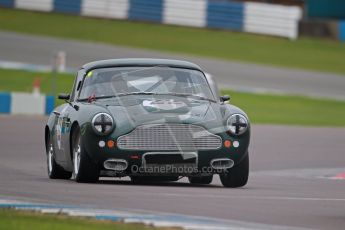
{"type": "Point", "coordinates": [170, 162]}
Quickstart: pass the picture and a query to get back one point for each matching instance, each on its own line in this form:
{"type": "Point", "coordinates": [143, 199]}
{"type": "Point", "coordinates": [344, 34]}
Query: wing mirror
{"type": "Point", "coordinates": [225, 98]}
{"type": "Point", "coordinates": [63, 96]}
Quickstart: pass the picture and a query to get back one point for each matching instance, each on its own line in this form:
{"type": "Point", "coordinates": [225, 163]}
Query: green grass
{"type": "Point", "coordinates": [20, 220]}
{"type": "Point", "coordinates": [261, 108]}
{"type": "Point", "coordinates": [290, 110]}
{"type": "Point", "coordinates": [305, 53]}
{"type": "Point", "coordinates": [22, 81]}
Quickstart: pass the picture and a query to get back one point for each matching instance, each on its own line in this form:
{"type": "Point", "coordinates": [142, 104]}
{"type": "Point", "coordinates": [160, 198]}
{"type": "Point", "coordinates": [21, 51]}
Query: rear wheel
{"type": "Point", "coordinates": [201, 179]}
{"type": "Point", "coordinates": [55, 171]}
{"type": "Point", "coordinates": [236, 176]}
{"type": "Point", "coordinates": [84, 170]}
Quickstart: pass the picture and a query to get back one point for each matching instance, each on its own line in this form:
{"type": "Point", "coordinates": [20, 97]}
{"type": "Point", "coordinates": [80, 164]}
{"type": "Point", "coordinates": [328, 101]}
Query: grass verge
{"type": "Point", "coordinates": [22, 81]}
{"type": "Point", "coordinates": [261, 108]}
{"type": "Point", "coordinates": [305, 53]}
{"type": "Point", "coordinates": [19, 220]}
{"type": "Point", "coordinates": [289, 110]}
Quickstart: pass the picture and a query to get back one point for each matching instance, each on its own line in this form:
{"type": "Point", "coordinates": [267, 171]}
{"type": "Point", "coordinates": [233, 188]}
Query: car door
{"type": "Point", "coordinates": [58, 134]}
{"type": "Point", "coordinates": [68, 116]}
{"type": "Point", "coordinates": [66, 124]}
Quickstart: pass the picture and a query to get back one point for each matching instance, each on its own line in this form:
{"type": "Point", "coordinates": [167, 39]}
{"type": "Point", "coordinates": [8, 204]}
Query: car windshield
{"type": "Point", "coordinates": [120, 81]}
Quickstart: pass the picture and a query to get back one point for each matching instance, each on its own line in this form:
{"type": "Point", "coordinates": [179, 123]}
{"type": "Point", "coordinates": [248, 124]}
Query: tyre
{"type": "Point", "coordinates": [55, 171]}
{"type": "Point", "coordinates": [236, 176]}
{"type": "Point", "coordinates": [148, 179]}
{"type": "Point", "coordinates": [200, 179]}
{"type": "Point", "coordinates": [84, 170]}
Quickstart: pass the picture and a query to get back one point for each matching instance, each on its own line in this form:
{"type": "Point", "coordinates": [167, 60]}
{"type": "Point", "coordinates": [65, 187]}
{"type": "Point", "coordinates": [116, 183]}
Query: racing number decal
{"type": "Point", "coordinates": [58, 127]}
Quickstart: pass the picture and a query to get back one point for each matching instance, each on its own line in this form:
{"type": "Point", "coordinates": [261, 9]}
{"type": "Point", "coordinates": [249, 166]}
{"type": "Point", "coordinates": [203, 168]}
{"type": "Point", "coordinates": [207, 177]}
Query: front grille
{"type": "Point", "coordinates": [169, 137]}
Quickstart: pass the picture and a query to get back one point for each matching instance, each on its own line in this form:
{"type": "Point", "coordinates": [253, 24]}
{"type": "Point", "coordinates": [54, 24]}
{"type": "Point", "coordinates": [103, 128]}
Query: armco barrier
{"type": "Point", "coordinates": [272, 19]}
{"type": "Point", "coordinates": [185, 12]}
{"type": "Point", "coordinates": [67, 6]}
{"type": "Point", "coordinates": [26, 103]}
{"type": "Point", "coordinates": [225, 15]}
{"type": "Point", "coordinates": [39, 5]}
{"type": "Point", "coordinates": [105, 8]}
{"type": "Point", "coordinates": [7, 3]}
{"type": "Point", "coordinates": [250, 17]}
{"type": "Point", "coordinates": [5, 102]}
{"type": "Point", "coordinates": [146, 10]}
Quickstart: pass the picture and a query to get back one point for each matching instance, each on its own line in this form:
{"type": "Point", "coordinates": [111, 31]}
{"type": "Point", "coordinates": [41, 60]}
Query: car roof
{"type": "Point", "coordinates": [132, 62]}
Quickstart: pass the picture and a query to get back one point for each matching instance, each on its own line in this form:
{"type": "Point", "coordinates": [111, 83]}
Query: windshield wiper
{"type": "Point", "coordinates": [118, 95]}
{"type": "Point", "coordinates": [137, 93]}
{"type": "Point", "coordinates": [189, 95]}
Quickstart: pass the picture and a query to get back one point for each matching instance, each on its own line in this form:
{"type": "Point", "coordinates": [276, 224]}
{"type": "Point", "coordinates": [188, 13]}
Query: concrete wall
{"type": "Point", "coordinates": [25, 103]}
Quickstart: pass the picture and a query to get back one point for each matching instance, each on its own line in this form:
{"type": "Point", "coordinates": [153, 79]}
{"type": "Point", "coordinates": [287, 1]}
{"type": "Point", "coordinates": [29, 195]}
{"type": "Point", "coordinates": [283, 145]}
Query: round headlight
{"type": "Point", "coordinates": [237, 124]}
{"type": "Point", "coordinates": [102, 123]}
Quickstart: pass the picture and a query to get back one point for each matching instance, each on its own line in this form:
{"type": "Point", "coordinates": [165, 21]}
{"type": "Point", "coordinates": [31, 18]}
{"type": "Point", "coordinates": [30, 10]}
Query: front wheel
{"type": "Point", "coordinates": [236, 176]}
{"type": "Point", "coordinates": [84, 170]}
{"type": "Point", "coordinates": [55, 171]}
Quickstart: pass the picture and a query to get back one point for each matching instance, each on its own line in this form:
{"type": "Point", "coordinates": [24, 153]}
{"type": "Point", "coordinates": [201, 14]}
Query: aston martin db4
{"type": "Point", "coordinates": [149, 119]}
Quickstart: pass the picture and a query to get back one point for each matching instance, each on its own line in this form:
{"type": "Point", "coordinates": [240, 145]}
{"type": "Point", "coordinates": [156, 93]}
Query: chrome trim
{"type": "Point", "coordinates": [50, 158]}
{"type": "Point", "coordinates": [93, 121]}
{"type": "Point", "coordinates": [230, 125]}
{"type": "Point", "coordinates": [56, 113]}
{"type": "Point", "coordinates": [229, 162]}
{"type": "Point", "coordinates": [170, 137]}
{"type": "Point", "coordinates": [106, 166]}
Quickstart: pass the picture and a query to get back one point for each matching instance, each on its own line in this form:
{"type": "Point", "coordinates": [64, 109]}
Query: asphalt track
{"type": "Point", "coordinates": [230, 74]}
{"type": "Point", "coordinates": [288, 186]}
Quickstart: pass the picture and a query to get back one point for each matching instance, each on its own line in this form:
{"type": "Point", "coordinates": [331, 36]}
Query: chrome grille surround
{"type": "Point", "coordinates": [169, 136]}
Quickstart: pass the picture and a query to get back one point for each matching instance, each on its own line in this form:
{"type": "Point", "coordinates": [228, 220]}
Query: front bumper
{"type": "Point", "coordinates": [136, 159]}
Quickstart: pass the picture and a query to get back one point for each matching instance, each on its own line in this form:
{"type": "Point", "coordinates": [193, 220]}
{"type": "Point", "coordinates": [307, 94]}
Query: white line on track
{"type": "Point", "coordinates": [255, 197]}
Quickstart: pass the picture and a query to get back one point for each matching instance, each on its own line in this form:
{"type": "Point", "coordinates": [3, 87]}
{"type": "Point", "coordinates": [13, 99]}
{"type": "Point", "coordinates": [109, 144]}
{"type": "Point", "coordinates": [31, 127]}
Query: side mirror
{"type": "Point", "coordinates": [63, 96]}
{"type": "Point", "coordinates": [225, 98]}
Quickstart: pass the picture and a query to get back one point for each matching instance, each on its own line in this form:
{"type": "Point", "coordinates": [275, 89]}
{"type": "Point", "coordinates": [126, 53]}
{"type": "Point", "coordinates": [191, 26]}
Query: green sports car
{"type": "Point", "coordinates": [149, 119]}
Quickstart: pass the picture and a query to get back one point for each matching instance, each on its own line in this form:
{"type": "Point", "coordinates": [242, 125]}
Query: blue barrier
{"type": "Point", "coordinates": [50, 101]}
{"type": "Point", "coordinates": [225, 15]}
{"type": "Point", "coordinates": [342, 31]}
{"type": "Point", "coordinates": [67, 6]}
{"type": "Point", "coordinates": [5, 103]}
{"type": "Point", "coordinates": [10, 102]}
{"type": "Point", "coordinates": [250, 17]}
{"type": "Point", "coordinates": [146, 10]}
{"type": "Point", "coordinates": [7, 3]}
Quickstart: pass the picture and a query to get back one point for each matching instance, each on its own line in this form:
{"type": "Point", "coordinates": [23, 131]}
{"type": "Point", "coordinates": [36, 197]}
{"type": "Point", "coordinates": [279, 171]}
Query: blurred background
{"type": "Point", "coordinates": [281, 61]}
{"type": "Point", "coordinates": [291, 48]}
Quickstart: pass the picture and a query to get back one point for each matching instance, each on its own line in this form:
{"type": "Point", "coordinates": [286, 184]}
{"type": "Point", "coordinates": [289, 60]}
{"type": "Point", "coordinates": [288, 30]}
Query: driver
{"type": "Point", "coordinates": [119, 84]}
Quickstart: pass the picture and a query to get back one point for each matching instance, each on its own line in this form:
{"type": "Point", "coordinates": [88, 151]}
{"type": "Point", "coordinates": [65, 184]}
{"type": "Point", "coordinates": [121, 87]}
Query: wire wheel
{"type": "Point", "coordinates": [76, 156]}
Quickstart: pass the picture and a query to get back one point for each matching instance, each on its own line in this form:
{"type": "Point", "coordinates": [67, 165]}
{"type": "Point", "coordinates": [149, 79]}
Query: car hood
{"type": "Point", "coordinates": [131, 112]}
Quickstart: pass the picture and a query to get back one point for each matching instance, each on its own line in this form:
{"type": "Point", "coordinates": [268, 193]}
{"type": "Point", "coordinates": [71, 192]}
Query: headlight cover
{"type": "Point", "coordinates": [237, 124]}
{"type": "Point", "coordinates": [102, 123]}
